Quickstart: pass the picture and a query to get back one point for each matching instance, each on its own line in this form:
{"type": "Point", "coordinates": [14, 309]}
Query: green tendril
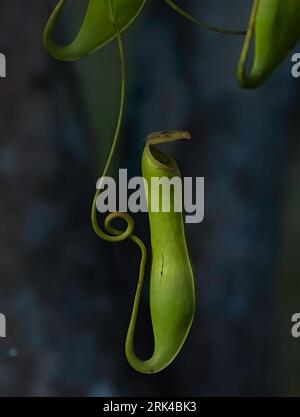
{"type": "Point", "coordinates": [202, 23]}
{"type": "Point", "coordinates": [243, 78]}
{"type": "Point", "coordinates": [112, 234]}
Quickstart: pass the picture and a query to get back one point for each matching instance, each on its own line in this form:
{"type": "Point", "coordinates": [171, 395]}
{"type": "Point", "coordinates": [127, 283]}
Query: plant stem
{"type": "Point", "coordinates": [202, 23]}
{"type": "Point", "coordinates": [244, 80]}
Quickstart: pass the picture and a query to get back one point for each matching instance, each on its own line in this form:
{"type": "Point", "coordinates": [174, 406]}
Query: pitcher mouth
{"type": "Point", "coordinates": [168, 136]}
{"type": "Point", "coordinates": [161, 159]}
{"type": "Point", "coordinates": [158, 157]}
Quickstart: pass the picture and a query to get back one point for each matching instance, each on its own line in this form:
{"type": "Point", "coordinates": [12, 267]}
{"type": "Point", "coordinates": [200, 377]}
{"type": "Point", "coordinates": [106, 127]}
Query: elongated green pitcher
{"type": "Point", "coordinates": [172, 292]}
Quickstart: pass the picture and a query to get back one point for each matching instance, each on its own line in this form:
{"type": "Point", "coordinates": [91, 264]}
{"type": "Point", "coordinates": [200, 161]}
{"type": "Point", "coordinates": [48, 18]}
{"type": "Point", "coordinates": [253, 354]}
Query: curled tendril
{"type": "Point", "coordinates": [117, 236]}
{"type": "Point", "coordinates": [111, 234]}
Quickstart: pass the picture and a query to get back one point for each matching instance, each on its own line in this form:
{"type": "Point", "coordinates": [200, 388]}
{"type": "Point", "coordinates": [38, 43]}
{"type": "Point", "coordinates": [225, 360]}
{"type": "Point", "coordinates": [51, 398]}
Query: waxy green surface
{"type": "Point", "coordinates": [172, 291]}
{"type": "Point", "coordinates": [103, 21]}
{"type": "Point", "coordinates": [275, 25]}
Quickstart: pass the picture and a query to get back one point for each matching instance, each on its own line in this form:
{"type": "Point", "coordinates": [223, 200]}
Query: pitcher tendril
{"type": "Point", "coordinates": [118, 236]}
{"type": "Point", "coordinates": [203, 24]}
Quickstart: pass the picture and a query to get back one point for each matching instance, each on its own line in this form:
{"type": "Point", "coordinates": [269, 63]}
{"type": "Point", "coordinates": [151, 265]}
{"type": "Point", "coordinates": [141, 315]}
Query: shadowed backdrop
{"type": "Point", "coordinates": [66, 294]}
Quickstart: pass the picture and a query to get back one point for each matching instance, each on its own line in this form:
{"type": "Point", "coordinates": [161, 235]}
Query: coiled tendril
{"type": "Point", "coordinates": [111, 233]}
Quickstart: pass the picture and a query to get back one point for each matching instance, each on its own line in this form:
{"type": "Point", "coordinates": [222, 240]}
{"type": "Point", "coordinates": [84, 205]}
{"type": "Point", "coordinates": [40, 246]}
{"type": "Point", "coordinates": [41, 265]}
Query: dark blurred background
{"type": "Point", "coordinates": [66, 294]}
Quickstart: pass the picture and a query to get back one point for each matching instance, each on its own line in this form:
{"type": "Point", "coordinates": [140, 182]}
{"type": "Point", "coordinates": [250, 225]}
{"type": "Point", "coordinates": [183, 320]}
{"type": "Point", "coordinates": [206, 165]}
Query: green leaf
{"type": "Point", "coordinates": [103, 20]}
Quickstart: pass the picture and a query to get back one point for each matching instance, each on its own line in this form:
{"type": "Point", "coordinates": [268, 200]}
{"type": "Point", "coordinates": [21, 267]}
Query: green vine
{"type": "Point", "coordinates": [201, 23]}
